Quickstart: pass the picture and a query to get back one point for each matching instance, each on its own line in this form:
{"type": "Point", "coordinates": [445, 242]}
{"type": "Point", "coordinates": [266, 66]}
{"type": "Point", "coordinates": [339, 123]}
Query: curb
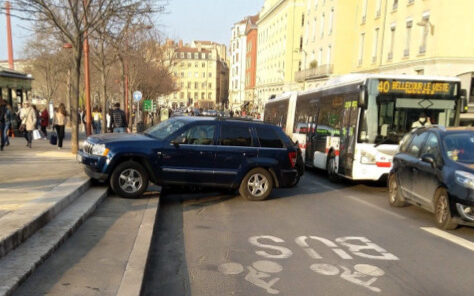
{"type": "Point", "coordinates": [17, 265]}
{"type": "Point", "coordinates": [40, 211]}
{"type": "Point", "coordinates": [132, 279]}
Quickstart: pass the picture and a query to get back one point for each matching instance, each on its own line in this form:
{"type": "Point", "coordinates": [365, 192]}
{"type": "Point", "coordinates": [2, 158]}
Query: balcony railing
{"type": "Point", "coordinates": [318, 72]}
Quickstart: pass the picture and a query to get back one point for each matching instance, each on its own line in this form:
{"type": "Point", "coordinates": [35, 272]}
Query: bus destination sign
{"type": "Point", "coordinates": [414, 87]}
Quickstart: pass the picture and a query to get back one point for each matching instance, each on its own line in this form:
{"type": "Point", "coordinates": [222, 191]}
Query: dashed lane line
{"type": "Point", "coordinates": [368, 204]}
{"type": "Point", "coordinates": [450, 237]}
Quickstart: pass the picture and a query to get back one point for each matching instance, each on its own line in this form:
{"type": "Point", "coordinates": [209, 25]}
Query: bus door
{"type": "Point", "coordinates": [311, 138]}
{"type": "Point", "coordinates": [347, 136]}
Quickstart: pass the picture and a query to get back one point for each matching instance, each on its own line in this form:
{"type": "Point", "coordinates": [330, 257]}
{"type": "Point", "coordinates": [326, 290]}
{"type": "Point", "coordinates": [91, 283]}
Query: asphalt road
{"type": "Point", "coordinates": [319, 238]}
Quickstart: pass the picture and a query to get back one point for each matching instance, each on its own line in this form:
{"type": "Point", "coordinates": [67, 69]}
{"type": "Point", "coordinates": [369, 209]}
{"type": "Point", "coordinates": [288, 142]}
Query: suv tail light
{"type": "Point", "coordinates": [292, 157]}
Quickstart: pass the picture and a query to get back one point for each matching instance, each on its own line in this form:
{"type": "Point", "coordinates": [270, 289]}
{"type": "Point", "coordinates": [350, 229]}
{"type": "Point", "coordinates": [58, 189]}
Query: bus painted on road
{"type": "Point", "coordinates": [352, 126]}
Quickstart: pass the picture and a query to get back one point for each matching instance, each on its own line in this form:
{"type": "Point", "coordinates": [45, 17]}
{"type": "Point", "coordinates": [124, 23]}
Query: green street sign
{"type": "Point", "coordinates": [148, 105]}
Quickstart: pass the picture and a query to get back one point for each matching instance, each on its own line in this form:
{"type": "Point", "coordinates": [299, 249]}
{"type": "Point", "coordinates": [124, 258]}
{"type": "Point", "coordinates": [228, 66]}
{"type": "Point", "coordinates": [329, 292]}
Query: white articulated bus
{"type": "Point", "coordinates": [352, 126]}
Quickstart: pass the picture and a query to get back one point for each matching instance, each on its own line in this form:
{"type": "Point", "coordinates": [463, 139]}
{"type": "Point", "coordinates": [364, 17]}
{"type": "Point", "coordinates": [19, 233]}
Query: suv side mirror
{"type": "Point", "coordinates": [429, 158]}
{"type": "Point", "coordinates": [175, 142]}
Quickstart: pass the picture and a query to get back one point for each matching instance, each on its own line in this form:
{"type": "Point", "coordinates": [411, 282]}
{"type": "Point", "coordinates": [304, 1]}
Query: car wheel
{"type": "Point", "coordinates": [331, 168]}
{"type": "Point", "coordinates": [129, 179]}
{"type": "Point", "coordinates": [443, 217]}
{"type": "Point", "coordinates": [395, 197]}
{"type": "Point", "coordinates": [256, 185]}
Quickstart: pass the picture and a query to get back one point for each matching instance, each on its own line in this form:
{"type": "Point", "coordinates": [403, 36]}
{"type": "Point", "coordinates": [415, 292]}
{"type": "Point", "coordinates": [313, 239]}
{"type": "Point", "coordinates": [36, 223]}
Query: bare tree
{"type": "Point", "coordinates": [71, 21]}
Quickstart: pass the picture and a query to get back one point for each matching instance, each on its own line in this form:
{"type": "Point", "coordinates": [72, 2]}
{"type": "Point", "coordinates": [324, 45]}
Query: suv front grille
{"type": "Point", "coordinates": [87, 147]}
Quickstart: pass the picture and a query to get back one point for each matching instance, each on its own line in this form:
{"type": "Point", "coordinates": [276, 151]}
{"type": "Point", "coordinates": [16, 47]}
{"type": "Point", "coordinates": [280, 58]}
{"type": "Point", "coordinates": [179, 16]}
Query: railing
{"type": "Point", "coordinates": [318, 72]}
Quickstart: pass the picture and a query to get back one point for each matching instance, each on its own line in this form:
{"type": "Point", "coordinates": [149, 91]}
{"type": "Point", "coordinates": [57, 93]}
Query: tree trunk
{"type": "Point", "coordinates": [76, 77]}
{"type": "Point", "coordinates": [104, 99]}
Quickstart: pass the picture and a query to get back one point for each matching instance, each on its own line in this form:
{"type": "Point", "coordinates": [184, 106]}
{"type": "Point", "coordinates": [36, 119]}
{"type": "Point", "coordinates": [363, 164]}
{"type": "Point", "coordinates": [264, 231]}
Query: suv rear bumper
{"type": "Point", "coordinates": [288, 177]}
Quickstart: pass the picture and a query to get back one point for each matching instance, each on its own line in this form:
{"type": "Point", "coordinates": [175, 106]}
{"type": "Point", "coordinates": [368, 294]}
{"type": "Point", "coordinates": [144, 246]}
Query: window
{"type": "Point", "coordinates": [302, 20]}
{"type": "Point", "coordinates": [181, 95]}
{"type": "Point", "coordinates": [210, 75]}
{"type": "Point", "coordinates": [196, 95]}
{"type": "Point", "coordinates": [364, 11]}
{"type": "Point", "coordinates": [395, 4]}
{"type": "Point", "coordinates": [392, 42]}
{"type": "Point", "coordinates": [331, 20]}
{"type": "Point", "coordinates": [210, 85]}
{"type": "Point", "coordinates": [203, 85]}
{"type": "Point", "coordinates": [196, 85]}
{"type": "Point", "coordinates": [320, 57]}
{"type": "Point", "coordinates": [378, 10]}
{"type": "Point", "coordinates": [406, 52]}
{"type": "Point", "coordinates": [203, 96]}
{"type": "Point", "coordinates": [203, 65]}
{"type": "Point", "coordinates": [416, 144]}
{"type": "Point", "coordinates": [189, 85]}
{"type": "Point", "coordinates": [235, 136]}
{"type": "Point", "coordinates": [432, 147]}
{"type": "Point", "coordinates": [203, 74]}
{"type": "Point", "coordinates": [314, 29]}
{"type": "Point", "coordinates": [361, 48]}
{"type": "Point", "coordinates": [375, 46]}
{"type": "Point", "coordinates": [196, 74]}
{"type": "Point", "coordinates": [268, 138]}
{"type": "Point", "coordinates": [322, 25]}
{"type": "Point", "coordinates": [197, 135]}
{"type": "Point", "coordinates": [210, 96]}
{"type": "Point", "coordinates": [425, 23]}
{"type": "Point", "coordinates": [329, 55]}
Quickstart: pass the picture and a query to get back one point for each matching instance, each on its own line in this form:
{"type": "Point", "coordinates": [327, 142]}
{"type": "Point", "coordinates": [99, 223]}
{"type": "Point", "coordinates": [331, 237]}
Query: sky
{"type": "Point", "coordinates": [185, 19]}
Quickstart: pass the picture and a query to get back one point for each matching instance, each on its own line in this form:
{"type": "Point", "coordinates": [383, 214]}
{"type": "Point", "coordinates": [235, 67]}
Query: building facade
{"type": "Point", "coordinates": [327, 40]}
{"type": "Point", "coordinates": [201, 75]}
{"type": "Point", "coordinates": [238, 45]}
{"type": "Point", "coordinates": [280, 43]}
{"type": "Point", "coordinates": [251, 32]}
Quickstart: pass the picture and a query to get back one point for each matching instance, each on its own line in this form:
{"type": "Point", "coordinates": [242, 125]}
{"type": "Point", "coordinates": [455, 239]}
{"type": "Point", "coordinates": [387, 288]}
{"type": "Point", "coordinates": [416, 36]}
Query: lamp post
{"type": "Point", "coordinates": [9, 36]}
{"type": "Point", "coordinates": [87, 88]}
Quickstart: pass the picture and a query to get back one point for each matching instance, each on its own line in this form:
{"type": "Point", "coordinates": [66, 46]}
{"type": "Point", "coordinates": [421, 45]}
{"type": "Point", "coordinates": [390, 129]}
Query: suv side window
{"type": "Point", "coordinates": [432, 147]}
{"type": "Point", "coordinates": [268, 138]}
{"type": "Point", "coordinates": [233, 135]}
{"type": "Point", "coordinates": [405, 142]}
{"type": "Point", "coordinates": [198, 135]}
{"type": "Point", "coordinates": [416, 144]}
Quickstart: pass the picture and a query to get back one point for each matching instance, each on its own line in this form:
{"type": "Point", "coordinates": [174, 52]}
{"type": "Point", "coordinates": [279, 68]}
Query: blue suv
{"type": "Point", "coordinates": [252, 156]}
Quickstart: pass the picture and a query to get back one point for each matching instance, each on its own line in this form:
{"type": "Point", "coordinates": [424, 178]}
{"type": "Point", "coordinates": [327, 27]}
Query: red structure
{"type": "Point", "coordinates": [87, 80]}
{"type": "Point", "coordinates": [9, 36]}
{"type": "Point", "coordinates": [252, 36]}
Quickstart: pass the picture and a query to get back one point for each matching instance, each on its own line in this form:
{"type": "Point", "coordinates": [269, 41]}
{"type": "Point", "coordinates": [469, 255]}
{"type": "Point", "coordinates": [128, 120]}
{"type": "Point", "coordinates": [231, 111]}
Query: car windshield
{"type": "Point", "coordinates": [460, 147]}
{"type": "Point", "coordinates": [165, 128]}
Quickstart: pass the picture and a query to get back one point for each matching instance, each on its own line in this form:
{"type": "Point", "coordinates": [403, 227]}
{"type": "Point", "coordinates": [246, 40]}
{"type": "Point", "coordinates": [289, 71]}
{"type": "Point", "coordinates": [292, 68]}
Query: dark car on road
{"type": "Point", "coordinates": [434, 169]}
{"type": "Point", "coordinates": [251, 156]}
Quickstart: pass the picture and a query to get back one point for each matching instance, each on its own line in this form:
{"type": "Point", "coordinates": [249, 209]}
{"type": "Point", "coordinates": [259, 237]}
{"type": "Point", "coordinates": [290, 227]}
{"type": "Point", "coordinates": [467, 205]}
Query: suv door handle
{"type": "Point", "coordinates": [158, 153]}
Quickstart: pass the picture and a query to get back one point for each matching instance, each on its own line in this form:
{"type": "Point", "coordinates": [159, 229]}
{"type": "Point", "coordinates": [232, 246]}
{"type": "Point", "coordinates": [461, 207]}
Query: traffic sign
{"type": "Point", "coordinates": [147, 105]}
{"type": "Point", "coordinates": [137, 96]}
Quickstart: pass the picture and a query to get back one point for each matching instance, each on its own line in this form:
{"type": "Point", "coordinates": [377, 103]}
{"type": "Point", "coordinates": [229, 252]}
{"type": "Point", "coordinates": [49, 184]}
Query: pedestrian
{"type": "Point", "coordinates": [38, 118]}
{"type": "Point", "coordinates": [28, 122]}
{"type": "Point", "coordinates": [44, 121]}
{"type": "Point", "coordinates": [9, 118]}
{"type": "Point", "coordinates": [60, 119]}
{"type": "Point", "coordinates": [108, 119]}
{"type": "Point", "coordinates": [118, 121]}
{"type": "Point", "coordinates": [3, 117]}
{"type": "Point", "coordinates": [97, 120]}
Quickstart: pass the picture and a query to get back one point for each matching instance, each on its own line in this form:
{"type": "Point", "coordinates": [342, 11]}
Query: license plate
{"type": "Point", "coordinates": [79, 158]}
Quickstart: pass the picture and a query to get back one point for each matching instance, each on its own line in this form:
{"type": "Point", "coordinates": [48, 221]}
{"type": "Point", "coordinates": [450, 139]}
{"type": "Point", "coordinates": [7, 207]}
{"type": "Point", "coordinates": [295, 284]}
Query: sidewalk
{"type": "Point", "coordinates": [26, 174]}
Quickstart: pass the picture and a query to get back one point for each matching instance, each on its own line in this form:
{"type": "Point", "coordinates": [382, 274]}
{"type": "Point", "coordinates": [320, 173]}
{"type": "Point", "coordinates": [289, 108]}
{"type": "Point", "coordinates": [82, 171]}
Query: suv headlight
{"type": "Point", "coordinates": [465, 179]}
{"type": "Point", "coordinates": [100, 150]}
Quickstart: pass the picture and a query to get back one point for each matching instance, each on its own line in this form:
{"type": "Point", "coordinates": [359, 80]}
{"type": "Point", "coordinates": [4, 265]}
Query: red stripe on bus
{"type": "Point", "coordinates": [383, 164]}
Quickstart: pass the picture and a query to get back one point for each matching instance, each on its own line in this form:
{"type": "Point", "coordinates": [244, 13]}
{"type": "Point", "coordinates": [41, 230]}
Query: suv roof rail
{"type": "Point", "coordinates": [224, 118]}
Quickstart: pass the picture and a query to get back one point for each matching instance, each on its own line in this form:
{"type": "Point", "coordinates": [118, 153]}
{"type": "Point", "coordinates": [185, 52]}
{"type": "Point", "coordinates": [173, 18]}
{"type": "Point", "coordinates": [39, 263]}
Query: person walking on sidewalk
{"type": "Point", "coordinates": [9, 117]}
{"type": "Point", "coordinates": [97, 120]}
{"type": "Point", "coordinates": [28, 122]}
{"type": "Point", "coordinates": [3, 116]}
{"type": "Point", "coordinates": [44, 121]}
{"type": "Point", "coordinates": [118, 121]}
{"type": "Point", "coordinates": [60, 119]}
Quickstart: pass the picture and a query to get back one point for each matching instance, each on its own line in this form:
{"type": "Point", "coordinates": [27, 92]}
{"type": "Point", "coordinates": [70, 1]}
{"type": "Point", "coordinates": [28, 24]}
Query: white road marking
{"type": "Point", "coordinates": [360, 200]}
{"type": "Point", "coordinates": [267, 266]}
{"type": "Point", "coordinates": [231, 268]}
{"type": "Point", "coordinates": [450, 237]}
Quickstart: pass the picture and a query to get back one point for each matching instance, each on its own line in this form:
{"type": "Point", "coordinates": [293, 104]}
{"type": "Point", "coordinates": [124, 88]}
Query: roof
{"type": "Point", "coordinates": [359, 78]}
{"type": "Point", "coordinates": [5, 72]}
{"type": "Point", "coordinates": [191, 49]}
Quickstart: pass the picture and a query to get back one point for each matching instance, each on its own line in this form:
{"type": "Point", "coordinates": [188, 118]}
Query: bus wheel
{"type": "Point", "coordinates": [331, 168]}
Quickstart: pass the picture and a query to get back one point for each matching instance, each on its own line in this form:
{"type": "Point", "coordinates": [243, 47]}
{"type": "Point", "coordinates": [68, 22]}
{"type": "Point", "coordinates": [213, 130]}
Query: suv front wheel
{"type": "Point", "coordinates": [256, 185]}
{"type": "Point", "coordinates": [129, 179]}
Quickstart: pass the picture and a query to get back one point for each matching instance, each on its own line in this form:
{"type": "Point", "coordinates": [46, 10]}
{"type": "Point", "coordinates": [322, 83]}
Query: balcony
{"type": "Point", "coordinates": [318, 72]}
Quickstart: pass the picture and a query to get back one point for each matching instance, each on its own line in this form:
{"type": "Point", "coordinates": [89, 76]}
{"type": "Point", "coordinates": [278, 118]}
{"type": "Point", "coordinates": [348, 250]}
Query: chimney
{"type": "Point", "coordinates": [180, 44]}
{"type": "Point", "coordinates": [169, 43]}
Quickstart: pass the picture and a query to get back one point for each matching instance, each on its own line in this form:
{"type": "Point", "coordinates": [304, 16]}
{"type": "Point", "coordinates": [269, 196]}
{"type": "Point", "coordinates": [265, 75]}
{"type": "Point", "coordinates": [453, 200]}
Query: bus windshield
{"type": "Point", "coordinates": [395, 107]}
{"type": "Point", "coordinates": [276, 112]}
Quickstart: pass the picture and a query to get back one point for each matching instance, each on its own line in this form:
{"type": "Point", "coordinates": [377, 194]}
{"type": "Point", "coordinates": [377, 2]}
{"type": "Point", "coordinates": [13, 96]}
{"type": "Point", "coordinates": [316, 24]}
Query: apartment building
{"type": "Point", "coordinates": [238, 46]}
{"type": "Point", "coordinates": [327, 41]}
{"type": "Point", "coordinates": [280, 43]}
{"type": "Point", "coordinates": [201, 75]}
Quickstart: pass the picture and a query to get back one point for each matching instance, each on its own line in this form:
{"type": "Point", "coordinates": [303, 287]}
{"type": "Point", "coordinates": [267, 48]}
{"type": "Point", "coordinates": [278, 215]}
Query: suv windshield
{"type": "Point", "coordinates": [460, 147]}
{"type": "Point", "coordinates": [165, 128]}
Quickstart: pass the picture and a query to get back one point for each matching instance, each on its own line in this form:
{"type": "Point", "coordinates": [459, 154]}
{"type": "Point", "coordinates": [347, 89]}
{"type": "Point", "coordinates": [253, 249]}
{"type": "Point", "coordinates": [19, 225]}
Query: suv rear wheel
{"type": "Point", "coordinates": [129, 179]}
{"type": "Point", "coordinates": [256, 185]}
{"type": "Point", "coordinates": [443, 216]}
